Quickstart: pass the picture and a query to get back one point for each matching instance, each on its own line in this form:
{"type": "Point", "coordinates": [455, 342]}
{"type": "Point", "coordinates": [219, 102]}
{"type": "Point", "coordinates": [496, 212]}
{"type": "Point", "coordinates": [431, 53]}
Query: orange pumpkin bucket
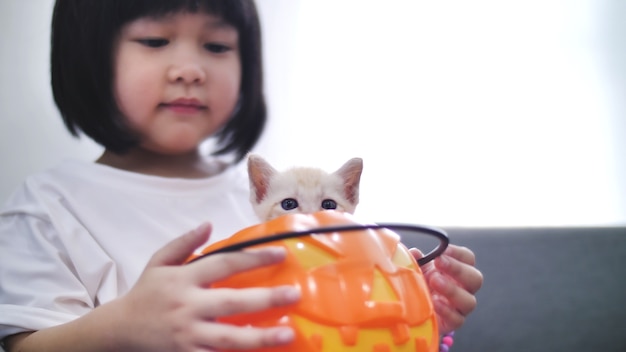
{"type": "Point", "coordinates": [361, 288]}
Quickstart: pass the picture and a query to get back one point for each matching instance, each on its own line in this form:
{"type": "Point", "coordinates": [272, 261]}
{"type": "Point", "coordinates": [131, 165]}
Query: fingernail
{"type": "Point", "coordinates": [202, 228]}
{"type": "Point", "coordinates": [276, 251]}
{"type": "Point", "coordinates": [284, 335]}
{"type": "Point", "coordinates": [291, 294]}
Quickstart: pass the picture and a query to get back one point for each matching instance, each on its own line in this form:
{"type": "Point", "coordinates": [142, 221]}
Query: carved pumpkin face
{"type": "Point", "coordinates": [360, 291]}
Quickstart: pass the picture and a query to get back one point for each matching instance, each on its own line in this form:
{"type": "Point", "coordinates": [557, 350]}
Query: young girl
{"type": "Point", "coordinates": [91, 253]}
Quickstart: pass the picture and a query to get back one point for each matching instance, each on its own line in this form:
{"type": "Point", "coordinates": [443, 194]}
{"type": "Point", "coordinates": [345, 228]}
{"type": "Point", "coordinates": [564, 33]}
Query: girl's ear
{"type": "Point", "coordinates": [260, 173]}
{"type": "Point", "coordinates": [350, 173]}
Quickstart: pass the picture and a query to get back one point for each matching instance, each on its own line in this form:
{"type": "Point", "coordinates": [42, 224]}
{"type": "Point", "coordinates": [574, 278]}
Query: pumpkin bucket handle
{"type": "Point", "coordinates": [405, 228]}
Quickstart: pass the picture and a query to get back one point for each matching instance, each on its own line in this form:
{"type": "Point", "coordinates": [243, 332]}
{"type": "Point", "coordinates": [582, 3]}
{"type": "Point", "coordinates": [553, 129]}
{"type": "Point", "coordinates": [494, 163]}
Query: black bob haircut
{"type": "Point", "coordinates": [83, 36]}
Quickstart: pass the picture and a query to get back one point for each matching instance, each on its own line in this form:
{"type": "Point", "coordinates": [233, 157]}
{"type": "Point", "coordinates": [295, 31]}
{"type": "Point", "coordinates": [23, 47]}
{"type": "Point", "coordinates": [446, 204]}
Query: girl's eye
{"type": "Point", "coordinates": [216, 48]}
{"type": "Point", "coordinates": [289, 204]}
{"type": "Point", "coordinates": [154, 42]}
{"type": "Point", "coordinates": [329, 204]}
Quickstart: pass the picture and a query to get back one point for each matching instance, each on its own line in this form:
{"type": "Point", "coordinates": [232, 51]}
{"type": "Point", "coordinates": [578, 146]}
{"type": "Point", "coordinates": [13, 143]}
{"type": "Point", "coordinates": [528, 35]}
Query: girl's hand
{"type": "Point", "coordinates": [453, 280]}
{"type": "Point", "coordinates": [171, 309]}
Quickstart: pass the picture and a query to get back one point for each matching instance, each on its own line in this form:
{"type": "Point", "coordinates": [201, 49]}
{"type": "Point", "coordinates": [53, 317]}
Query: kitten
{"type": "Point", "coordinates": [302, 189]}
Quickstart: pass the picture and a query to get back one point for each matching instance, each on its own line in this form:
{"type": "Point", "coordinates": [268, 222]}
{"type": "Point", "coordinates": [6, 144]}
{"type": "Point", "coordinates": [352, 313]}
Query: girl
{"type": "Point", "coordinates": [90, 251]}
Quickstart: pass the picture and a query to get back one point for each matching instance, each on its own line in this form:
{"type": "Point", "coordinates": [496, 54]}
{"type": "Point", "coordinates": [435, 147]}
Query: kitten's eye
{"type": "Point", "coordinates": [153, 42]}
{"type": "Point", "coordinates": [289, 204]}
{"type": "Point", "coordinates": [216, 48]}
{"type": "Point", "coordinates": [329, 204]}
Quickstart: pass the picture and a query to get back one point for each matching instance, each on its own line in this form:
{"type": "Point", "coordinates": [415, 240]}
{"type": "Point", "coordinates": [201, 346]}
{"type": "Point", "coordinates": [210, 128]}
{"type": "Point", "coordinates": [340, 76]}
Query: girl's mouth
{"type": "Point", "coordinates": [184, 106]}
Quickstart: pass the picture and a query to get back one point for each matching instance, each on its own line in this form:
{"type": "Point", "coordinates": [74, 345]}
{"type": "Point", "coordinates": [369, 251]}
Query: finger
{"type": "Point", "coordinates": [417, 254]}
{"type": "Point", "coordinates": [178, 250]}
{"type": "Point", "coordinates": [462, 254]}
{"type": "Point", "coordinates": [230, 337]}
{"type": "Point", "coordinates": [224, 301]}
{"type": "Point", "coordinates": [449, 319]}
{"type": "Point", "coordinates": [464, 273]}
{"type": "Point", "coordinates": [220, 266]}
{"type": "Point", "coordinates": [458, 298]}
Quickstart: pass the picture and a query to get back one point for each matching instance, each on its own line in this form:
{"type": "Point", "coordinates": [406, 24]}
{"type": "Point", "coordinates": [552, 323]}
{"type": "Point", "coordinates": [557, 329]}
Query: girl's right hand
{"type": "Point", "coordinates": [171, 307]}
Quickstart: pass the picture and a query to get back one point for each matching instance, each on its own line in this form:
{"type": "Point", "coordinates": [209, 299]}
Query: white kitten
{"type": "Point", "coordinates": [302, 189]}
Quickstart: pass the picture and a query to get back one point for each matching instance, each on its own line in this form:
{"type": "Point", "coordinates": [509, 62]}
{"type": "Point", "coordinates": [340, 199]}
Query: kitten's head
{"type": "Point", "coordinates": [302, 189]}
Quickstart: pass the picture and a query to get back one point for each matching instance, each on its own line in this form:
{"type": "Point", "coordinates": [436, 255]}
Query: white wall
{"type": "Point", "coordinates": [32, 135]}
{"type": "Point", "coordinates": [486, 112]}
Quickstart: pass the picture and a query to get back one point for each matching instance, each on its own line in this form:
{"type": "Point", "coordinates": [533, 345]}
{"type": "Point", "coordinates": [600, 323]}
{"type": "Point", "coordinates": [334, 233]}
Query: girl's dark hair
{"type": "Point", "coordinates": [83, 36]}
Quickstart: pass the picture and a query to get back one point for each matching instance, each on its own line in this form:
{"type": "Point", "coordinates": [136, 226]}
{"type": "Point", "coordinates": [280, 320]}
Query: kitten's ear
{"type": "Point", "coordinates": [260, 173]}
{"type": "Point", "coordinates": [350, 173]}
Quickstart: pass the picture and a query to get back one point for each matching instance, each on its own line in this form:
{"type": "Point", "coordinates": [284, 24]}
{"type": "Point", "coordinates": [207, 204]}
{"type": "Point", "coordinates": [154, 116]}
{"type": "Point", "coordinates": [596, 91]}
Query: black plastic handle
{"type": "Point", "coordinates": [433, 231]}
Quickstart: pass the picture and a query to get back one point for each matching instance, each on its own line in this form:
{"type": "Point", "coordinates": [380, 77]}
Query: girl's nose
{"type": "Point", "coordinates": [187, 72]}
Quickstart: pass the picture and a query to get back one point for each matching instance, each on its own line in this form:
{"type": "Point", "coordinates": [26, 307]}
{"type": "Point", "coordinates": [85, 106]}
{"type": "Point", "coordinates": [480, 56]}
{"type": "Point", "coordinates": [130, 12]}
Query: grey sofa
{"type": "Point", "coordinates": [545, 289]}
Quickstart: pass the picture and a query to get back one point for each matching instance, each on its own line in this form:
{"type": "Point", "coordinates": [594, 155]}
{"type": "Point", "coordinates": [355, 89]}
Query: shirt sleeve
{"type": "Point", "coordinates": [39, 284]}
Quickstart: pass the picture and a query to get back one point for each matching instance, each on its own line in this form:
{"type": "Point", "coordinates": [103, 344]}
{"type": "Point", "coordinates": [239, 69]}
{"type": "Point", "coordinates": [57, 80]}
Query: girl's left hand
{"type": "Point", "coordinates": [453, 280]}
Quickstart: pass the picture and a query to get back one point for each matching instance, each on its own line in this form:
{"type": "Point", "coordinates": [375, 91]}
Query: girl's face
{"type": "Point", "coordinates": [177, 79]}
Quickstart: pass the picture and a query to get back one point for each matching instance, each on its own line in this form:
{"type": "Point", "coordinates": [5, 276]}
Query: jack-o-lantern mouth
{"type": "Point", "coordinates": [360, 289]}
{"type": "Point", "coordinates": [400, 337]}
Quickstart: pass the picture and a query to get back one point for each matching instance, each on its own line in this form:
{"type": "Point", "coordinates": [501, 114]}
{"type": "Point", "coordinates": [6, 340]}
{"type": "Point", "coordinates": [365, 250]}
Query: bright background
{"type": "Point", "coordinates": [466, 113]}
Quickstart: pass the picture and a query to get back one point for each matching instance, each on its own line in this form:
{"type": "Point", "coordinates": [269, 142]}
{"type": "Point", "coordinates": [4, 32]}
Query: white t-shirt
{"type": "Point", "coordinates": [80, 234]}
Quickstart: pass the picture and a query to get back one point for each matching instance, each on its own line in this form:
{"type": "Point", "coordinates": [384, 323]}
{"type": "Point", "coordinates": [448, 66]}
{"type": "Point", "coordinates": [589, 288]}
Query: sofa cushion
{"type": "Point", "coordinates": [545, 289]}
